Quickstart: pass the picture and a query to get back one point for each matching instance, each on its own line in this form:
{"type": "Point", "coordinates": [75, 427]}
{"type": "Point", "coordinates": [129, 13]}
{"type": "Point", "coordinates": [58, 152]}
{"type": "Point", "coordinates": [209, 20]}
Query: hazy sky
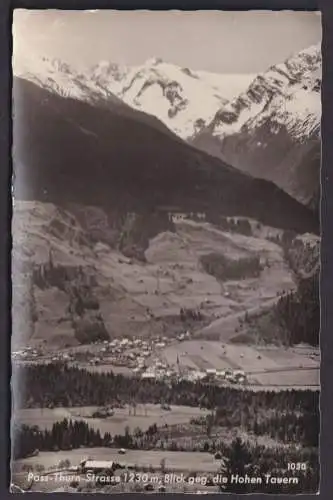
{"type": "Point", "coordinates": [223, 42]}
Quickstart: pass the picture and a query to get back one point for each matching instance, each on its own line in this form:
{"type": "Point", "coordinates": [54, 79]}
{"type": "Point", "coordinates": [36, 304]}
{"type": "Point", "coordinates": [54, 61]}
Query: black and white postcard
{"type": "Point", "coordinates": [166, 251]}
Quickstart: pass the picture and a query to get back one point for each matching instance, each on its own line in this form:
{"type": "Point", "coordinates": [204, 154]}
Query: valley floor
{"type": "Point", "coordinates": [145, 416]}
{"type": "Point", "coordinates": [266, 367]}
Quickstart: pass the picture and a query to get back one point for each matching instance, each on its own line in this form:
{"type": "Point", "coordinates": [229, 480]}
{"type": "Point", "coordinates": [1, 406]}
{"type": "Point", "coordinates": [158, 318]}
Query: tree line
{"type": "Point", "coordinates": [240, 458]}
{"type": "Point", "coordinates": [298, 312]}
{"type": "Point", "coordinates": [222, 268]}
{"type": "Point", "coordinates": [230, 224]}
{"type": "Point", "coordinates": [83, 308]}
{"type": "Point", "coordinates": [288, 425]}
{"type": "Point", "coordinates": [58, 384]}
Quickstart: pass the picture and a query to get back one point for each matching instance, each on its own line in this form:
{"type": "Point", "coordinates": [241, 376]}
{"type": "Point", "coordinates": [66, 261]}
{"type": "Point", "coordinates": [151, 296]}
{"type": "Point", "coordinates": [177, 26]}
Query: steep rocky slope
{"type": "Point", "coordinates": [273, 129]}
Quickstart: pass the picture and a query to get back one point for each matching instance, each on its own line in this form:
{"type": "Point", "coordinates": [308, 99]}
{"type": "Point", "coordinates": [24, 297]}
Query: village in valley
{"type": "Point", "coordinates": [183, 358]}
{"type": "Point", "coordinates": [137, 357]}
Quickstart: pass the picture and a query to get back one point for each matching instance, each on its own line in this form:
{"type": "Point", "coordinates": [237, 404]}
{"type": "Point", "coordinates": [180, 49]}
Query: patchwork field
{"type": "Point", "coordinates": [177, 461]}
{"type": "Point", "coordinates": [145, 416]}
{"type": "Point", "coordinates": [171, 277]}
{"type": "Point", "coordinates": [264, 365]}
{"type": "Point", "coordinates": [297, 378]}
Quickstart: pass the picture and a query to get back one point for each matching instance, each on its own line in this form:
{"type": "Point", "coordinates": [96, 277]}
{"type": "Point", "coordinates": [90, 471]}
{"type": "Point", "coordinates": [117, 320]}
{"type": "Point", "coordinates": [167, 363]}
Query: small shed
{"type": "Point", "coordinates": [96, 466]}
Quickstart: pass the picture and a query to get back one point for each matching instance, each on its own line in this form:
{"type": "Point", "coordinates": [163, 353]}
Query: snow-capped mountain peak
{"type": "Point", "coordinates": [153, 61]}
{"type": "Point", "coordinates": [61, 78]}
{"type": "Point", "coordinates": [183, 99]}
{"type": "Point", "coordinates": [105, 72]}
{"type": "Point", "coordinates": [291, 89]}
{"type": "Point", "coordinates": [272, 130]}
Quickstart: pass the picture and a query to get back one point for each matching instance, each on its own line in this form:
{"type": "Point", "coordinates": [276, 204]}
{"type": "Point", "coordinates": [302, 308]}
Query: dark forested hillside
{"type": "Point", "coordinates": [299, 312]}
{"type": "Point", "coordinates": [70, 151]}
{"type": "Point", "coordinates": [57, 385]}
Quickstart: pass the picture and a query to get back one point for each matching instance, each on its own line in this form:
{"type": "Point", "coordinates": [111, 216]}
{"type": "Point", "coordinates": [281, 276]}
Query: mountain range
{"type": "Point", "coordinates": [169, 92]}
{"type": "Point", "coordinates": [67, 150]}
{"type": "Point", "coordinates": [184, 99]}
{"type": "Point", "coordinates": [63, 80]}
{"type": "Point", "coordinates": [271, 130]}
{"type": "Point", "coordinates": [267, 125]}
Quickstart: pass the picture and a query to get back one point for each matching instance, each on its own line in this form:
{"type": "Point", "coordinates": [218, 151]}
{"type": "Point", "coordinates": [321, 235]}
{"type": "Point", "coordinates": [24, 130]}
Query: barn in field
{"type": "Point", "coordinates": [96, 466]}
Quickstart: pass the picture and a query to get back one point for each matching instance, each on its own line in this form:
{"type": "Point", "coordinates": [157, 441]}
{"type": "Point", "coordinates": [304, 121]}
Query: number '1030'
{"type": "Point", "coordinates": [296, 466]}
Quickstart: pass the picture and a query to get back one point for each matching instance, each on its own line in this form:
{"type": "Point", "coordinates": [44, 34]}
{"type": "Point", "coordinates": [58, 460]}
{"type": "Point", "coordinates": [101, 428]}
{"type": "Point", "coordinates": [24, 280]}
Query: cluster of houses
{"type": "Point", "coordinates": [159, 370]}
{"type": "Point", "coordinates": [134, 352]}
{"type": "Point", "coordinates": [181, 216]}
{"type": "Point", "coordinates": [231, 376]}
{"type": "Point", "coordinates": [128, 352]}
{"type": "Point", "coordinates": [25, 354]}
{"type": "Point", "coordinates": [142, 357]}
{"type": "Point", "coordinates": [183, 336]}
